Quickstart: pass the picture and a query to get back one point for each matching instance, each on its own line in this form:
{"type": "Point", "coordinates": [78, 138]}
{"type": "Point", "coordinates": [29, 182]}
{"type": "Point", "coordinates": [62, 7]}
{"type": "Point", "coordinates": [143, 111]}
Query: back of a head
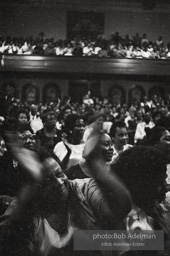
{"type": "Point", "coordinates": [70, 121]}
{"type": "Point", "coordinates": [25, 127]}
{"type": "Point", "coordinates": [159, 137]}
{"type": "Point", "coordinates": [164, 122]}
{"type": "Point", "coordinates": [154, 135]}
{"type": "Point", "coordinates": [140, 168]}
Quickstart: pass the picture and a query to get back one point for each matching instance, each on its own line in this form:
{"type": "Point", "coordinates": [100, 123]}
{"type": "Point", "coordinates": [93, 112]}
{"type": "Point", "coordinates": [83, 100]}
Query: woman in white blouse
{"type": "Point", "coordinates": [70, 149]}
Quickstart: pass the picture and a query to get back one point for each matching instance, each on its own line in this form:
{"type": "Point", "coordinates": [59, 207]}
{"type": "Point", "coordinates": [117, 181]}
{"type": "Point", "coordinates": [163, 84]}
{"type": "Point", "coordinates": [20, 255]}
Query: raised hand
{"type": "Point", "coordinates": [93, 149]}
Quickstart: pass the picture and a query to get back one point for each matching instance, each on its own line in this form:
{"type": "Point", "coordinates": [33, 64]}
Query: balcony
{"type": "Point", "coordinates": [84, 65]}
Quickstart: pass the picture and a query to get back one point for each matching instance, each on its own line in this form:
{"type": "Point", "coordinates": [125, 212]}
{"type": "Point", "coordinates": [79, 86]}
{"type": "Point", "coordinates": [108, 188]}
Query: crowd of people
{"type": "Point", "coordinates": [117, 46]}
{"type": "Point", "coordinates": [89, 165]}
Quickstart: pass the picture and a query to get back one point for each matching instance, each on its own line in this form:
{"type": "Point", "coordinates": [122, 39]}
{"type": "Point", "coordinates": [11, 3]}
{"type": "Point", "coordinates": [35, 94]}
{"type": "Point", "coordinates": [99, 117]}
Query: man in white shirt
{"type": "Point", "coordinates": [141, 128]}
{"type": "Point", "coordinates": [35, 120]}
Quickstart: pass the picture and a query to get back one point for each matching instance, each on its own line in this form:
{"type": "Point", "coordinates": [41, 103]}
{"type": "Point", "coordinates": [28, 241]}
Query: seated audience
{"type": "Point", "coordinates": [70, 150]}
{"type": "Point", "coordinates": [117, 47]}
{"type": "Point", "coordinates": [119, 135]}
{"type": "Point", "coordinates": [142, 126]}
{"type": "Point", "coordinates": [49, 135]}
{"type": "Point", "coordinates": [49, 208]}
{"type": "Point", "coordinates": [81, 170]}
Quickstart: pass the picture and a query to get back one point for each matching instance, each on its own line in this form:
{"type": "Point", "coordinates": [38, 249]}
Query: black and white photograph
{"type": "Point", "coordinates": [84, 127]}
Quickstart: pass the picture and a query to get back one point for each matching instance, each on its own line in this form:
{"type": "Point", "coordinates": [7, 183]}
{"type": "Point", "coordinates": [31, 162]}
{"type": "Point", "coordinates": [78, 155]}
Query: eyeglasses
{"type": "Point", "coordinates": [27, 136]}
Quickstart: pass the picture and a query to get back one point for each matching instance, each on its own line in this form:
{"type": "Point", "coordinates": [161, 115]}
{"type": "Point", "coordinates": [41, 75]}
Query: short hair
{"type": "Point", "coordinates": [70, 122]}
{"type": "Point", "coordinates": [118, 124]}
{"type": "Point", "coordinates": [164, 122]}
{"type": "Point", "coordinates": [154, 135]}
{"type": "Point", "coordinates": [140, 168]}
{"type": "Point", "coordinates": [25, 127]}
{"type": "Point", "coordinates": [156, 113]}
{"type": "Point", "coordinates": [47, 112]}
{"type": "Point", "coordinates": [24, 111]}
{"type": "Point", "coordinates": [11, 126]}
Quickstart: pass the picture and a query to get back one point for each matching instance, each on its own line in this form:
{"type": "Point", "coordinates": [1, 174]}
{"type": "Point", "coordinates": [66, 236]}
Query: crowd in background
{"type": "Point", "coordinates": [131, 114]}
{"type": "Point", "coordinates": [54, 122]}
{"type": "Point", "coordinates": [117, 46]}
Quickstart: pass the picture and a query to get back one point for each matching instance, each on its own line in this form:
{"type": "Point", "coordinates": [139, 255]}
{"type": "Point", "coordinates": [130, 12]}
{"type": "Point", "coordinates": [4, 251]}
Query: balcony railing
{"type": "Point", "coordinates": [84, 65]}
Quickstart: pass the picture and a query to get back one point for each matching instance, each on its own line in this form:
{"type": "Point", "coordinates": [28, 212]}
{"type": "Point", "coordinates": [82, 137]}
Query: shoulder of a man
{"type": "Point", "coordinates": [80, 187]}
{"type": "Point", "coordinates": [90, 191]}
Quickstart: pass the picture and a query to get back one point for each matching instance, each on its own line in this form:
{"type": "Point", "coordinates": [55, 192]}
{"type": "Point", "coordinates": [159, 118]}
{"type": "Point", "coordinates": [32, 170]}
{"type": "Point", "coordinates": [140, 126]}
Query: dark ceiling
{"type": "Point", "coordinates": [146, 4]}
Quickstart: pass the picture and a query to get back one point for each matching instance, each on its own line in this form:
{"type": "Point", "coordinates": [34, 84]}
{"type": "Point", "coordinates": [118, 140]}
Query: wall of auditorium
{"type": "Point", "coordinates": [37, 82]}
{"type": "Point", "coordinates": [127, 85]}
{"type": "Point", "coordinates": [30, 20]}
{"type": "Point", "coordinates": [105, 85]}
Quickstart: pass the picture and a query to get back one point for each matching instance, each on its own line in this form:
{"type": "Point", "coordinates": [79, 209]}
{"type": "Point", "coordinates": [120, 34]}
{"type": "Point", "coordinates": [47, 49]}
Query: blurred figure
{"type": "Point", "coordinates": [95, 125]}
{"type": "Point", "coordinates": [160, 137]}
{"type": "Point", "coordinates": [7, 174]}
{"type": "Point", "coordinates": [142, 126]}
{"type": "Point", "coordinates": [35, 120]}
{"type": "Point", "coordinates": [49, 207]}
{"type": "Point", "coordinates": [9, 103]}
{"type": "Point", "coordinates": [11, 174]}
{"type": "Point", "coordinates": [2, 120]}
{"type": "Point", "coordinates": [143, 171]}
{"type": "Point", "coordinates": [156, 136]}
{"type": "Point", "coordinates": [23, 117]}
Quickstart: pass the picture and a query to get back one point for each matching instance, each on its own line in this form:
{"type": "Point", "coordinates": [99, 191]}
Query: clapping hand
{"type": "Point", "coordinates": [92, 148]}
